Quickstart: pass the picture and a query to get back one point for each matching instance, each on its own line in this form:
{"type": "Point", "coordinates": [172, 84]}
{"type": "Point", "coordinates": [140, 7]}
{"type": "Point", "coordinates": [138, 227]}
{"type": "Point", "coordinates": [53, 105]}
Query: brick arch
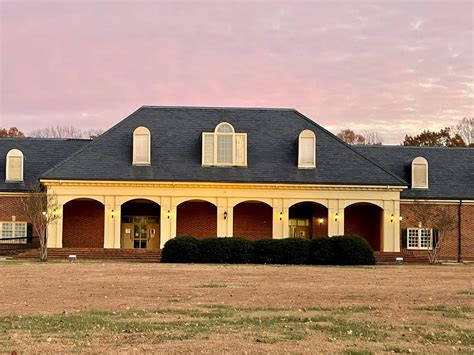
{"type": "Point", "coordinates": [196, 218]}
{"type": "Point", "coordinates": [253, 220]}
{"type": "Point", "coordinates": [83, 224]}
{"type": "Point", "coordinates": [366, 220]}
{"type": "Point", "coordinates": [313, 212]}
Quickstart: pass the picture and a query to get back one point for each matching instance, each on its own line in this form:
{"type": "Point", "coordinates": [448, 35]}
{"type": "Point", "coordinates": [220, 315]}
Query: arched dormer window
{"type": "Point", "coordinates": [224, 147]}
{"type": "Point", "coordinates": [141, 146]}
{"type": "Point", "coordinates": [419, 173]}
{"type": "Point", "coordinates": [14, 166]}
{"type": "Point", "coordinates": [307, 150]}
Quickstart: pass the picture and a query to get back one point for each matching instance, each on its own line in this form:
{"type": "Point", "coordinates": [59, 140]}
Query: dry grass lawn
{"type": "Point", "coordinates": [110, 307]}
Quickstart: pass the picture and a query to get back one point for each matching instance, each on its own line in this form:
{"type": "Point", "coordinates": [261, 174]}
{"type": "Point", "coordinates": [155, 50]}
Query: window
{"type": "Point", "coordinates": [224, 147]}
{"type": "Point", "coordinates": [14, 166]}
{"type": "Point", "coordinates": [419, 238]}
{"type": "Point", "coordinates": [419, 173]}
{"type": "Point", "coordinates": [307, 150]}
{"type": "Point", "coordinates": [141, 146]}
{"type": "Point", "coordinates": [9, 230]}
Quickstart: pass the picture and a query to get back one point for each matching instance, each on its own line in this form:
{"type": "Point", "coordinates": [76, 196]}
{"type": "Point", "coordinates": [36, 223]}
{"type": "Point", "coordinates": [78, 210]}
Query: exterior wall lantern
{"type": "Point", "coordinates": [225, 214]}
{"type": "Point", "coordinates": [168, 214]}
{"type": "Point", "coordinates": [281, 216]}
{"type": "Point", "coordinates": [112, 213]}
{"type": "Point", "coordinates": [55, 213]}
{"type": "Point", "coordinates": [336, 217]}
{"type": "Point", "coordinates": [400, 218]}
{"type": "Point", "coordinates": [321, 220]}
{"type": "Point", "coordinates": [391, 218]}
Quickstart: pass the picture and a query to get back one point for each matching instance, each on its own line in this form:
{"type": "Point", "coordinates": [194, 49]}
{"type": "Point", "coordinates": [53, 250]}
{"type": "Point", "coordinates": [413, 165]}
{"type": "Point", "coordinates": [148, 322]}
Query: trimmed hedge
{"type": "Point", "coordinates": [340, 250]}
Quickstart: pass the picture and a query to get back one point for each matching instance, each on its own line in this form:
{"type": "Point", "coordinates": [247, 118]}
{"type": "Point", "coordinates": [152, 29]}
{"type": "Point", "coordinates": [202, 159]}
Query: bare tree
{"type": "Point", "coordinates": [373, 138]}
{"type": "Point", "coordinates": [40, 209]}
{"type": "Point", "coordinates": [350, 137]}
{"type": "Point", "coordinates": [465, 129]}
{"type": "Point", "coordinates": [57, 132]}
{"type": "Point", "coordinates": [440, 219]}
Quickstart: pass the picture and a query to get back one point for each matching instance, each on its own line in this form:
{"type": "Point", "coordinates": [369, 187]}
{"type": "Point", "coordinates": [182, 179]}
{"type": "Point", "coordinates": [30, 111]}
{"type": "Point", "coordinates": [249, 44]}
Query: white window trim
{"type": "Point", "coordinates": [419, 161]}
{"type": "Point", "coordinates": [418, 232]}
{"type": "Point", "coordinates": [14, 153]}
{"type": "Point", "coordinates": [14, 226]}
{"type": "Point", "coordinates": [141, 131]}
{"type": "Point", "coordinates": [306, 134]}
{"type": "Point", "coordinates": [215, 134]}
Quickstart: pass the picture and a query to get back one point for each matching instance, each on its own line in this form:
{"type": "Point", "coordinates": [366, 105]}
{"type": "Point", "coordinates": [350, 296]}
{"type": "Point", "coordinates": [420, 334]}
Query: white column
{"type": "Point", "coordinates": [165, 221]}
{"type": "Point", "coordinates": [279, 218]}
{"type": "Point", "coordinates": [391, 227]}
{"type": "Point", "coordinates": [221, 222]}
{"type": "Point", "coordinates": [110, 214]}
{"type": "Point", "coordinates": [230, 220]}
{"type": "Point", "coordinates": [335, 218]}
{"type": "Point", "coordinates": [55, 230]}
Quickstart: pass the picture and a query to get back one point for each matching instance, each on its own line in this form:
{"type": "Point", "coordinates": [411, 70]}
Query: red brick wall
{"type": "Point", "coordinates": [197, 219]}
{"type": "Point", "coordinates": [253, 220]}
{"type": "Point", "coordinates": [449, 246]}
{"type": "Point", "coordinates": [364, 220]}
{"type": "Point", "coordinates": [10, 206]}
{"type": "Point", "coordinates": [83, 224]}
{"type": "Point", "coordinates": [467, 232]}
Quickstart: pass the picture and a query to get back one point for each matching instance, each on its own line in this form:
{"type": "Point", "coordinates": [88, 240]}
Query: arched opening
{"type": "Point", "coordinates": [83, 224]}
{"type": "Point", "coordinates": [365, 220]}
{"type": "Point", "coordinates": [253, 220]}
{"type": "Point", "coordinates": [196, 218]}
{"type": "Point", "coordinates": [140, 225]}
{"type": "Point", "coordinates": [308, 220]}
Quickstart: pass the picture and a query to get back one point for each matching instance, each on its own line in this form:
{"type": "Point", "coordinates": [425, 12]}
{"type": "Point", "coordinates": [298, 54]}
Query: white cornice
{"type": "Point", "coordinates": [163, 184]}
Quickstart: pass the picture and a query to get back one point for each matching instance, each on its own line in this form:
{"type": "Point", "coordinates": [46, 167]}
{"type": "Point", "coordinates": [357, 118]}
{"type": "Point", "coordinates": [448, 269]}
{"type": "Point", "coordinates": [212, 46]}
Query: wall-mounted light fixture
{"type": "Point", "coordinates": [55, 213]}
{"type": "Point", "coordinates": [336, 217]}
{"type": "Point", "coordinates": [391, 218]}
{"type": "Point", "coordinates": [281, 216]}
{"type": "Point", "coordinates": [400, 218]}
{"type": "Point", "coordinates": [321, 221]}
{"type": "Point", "coordinates": [168, 214]}
{"type": "Point", "coordinates": [44, 213]}
{"type": "Point", "coordinates": [225, 214]}
{"type": "Point", "coordinates": [112, 213]}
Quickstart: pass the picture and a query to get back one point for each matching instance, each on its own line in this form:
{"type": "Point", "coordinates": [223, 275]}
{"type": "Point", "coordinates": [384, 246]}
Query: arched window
{"type": "Point", "coordinates": [307, 150]}
{"type": "Point", "coordinates": [141, 146]}
{"type": "Point", "coordinates": [14, 166]}
{"type": "Point", "coordinates": [419, 173]}
{"type": "Point", "coordinates": [224, 147]}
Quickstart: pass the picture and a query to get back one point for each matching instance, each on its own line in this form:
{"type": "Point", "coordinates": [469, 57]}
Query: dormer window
{"type": "Point", "coordinates": [419, 173]}
{"type": "Point", "coordinates": [307, 150]}
{"type": "Point", "coordinates": [224, 147]}
{"type": "Point", "coordinates": [141, 146]}
{"type": "Point", "coordinates": [14, 166]}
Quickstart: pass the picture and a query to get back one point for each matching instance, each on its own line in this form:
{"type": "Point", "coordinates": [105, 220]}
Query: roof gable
{"type": "Point", "coordinates": [176, 150]}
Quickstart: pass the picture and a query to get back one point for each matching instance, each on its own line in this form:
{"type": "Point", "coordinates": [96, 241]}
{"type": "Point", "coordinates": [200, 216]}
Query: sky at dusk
{"type": "Point", "coordinates": [394, 67]}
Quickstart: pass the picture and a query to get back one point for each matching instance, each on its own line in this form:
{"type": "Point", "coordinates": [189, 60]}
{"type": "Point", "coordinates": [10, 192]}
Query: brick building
{"type": "Point", "coordinates": [221, 172]}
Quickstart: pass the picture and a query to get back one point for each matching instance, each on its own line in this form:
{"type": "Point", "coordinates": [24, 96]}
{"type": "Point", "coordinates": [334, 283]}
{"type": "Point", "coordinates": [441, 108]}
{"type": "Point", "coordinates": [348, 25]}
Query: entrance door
{"type": "Point", "coordinates": [140, 233]}
{"type": "Point", "coordinates": [300, 228]}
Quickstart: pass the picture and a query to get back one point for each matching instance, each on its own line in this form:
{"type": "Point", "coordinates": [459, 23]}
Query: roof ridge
{"type": "Point", "coordinates": [348, 146]}
{"type": "Point", "coordinates": [93, 142]}
{"type": "Point", "coordinates": [221, 108]}
{"type": "Point", "coordinates": [410, 147]}
{"type": "Point", "coordinates": [45, 139]}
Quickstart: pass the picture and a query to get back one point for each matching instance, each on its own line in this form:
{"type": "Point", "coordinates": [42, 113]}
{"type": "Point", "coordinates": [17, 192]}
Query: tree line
{"type": "Point", "coordinates": [459, 135]}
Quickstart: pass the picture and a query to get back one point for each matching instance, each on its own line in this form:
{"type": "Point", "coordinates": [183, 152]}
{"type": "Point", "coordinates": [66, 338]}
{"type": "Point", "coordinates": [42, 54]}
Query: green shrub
{"type": "Point", "coordinates": [181, 250]}
{"type": "Point", "coordinates": [281, 251]}
{"type": "Point", "coordinates": [340, 250]}
{"type": "Point", "coordinates": [321, 251]}
{"type": "Point", "coordinates": [351, 250]}
{"type": "Point", "coordinates": [225, 250]}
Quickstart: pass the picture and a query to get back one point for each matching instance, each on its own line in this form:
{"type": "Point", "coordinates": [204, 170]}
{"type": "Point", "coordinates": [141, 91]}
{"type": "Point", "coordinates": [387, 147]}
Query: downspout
{"type": "Point", "coordinates": [459, 231]}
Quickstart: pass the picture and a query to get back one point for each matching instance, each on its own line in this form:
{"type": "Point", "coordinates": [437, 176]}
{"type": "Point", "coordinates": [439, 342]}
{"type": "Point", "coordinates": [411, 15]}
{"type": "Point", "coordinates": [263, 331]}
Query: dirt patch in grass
{"type": "Point", "coordinates": [94, 307]}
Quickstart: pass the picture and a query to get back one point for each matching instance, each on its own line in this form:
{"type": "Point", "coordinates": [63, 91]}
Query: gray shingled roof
{"type": "Point", "coordinates": [40, 155]}
{"type": "Point", "coordinates": [450, 170]}
{"type": "Point", "coordinates": [176, 150]}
